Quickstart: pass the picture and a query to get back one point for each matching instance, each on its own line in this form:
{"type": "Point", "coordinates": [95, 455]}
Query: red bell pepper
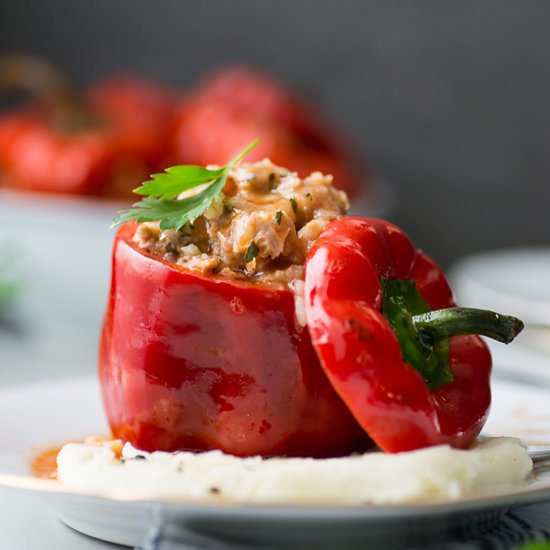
{"type": "Point", "coordinates": [99, 143]}
{"type": "Point", "coordinates": [237, 104]}
{"type": "Point", "coordinates": [369, 293]}
{"type": "Point", "coordinates": [189, 361]}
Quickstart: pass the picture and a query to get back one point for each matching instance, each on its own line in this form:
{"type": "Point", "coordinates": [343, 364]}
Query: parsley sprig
{"type": "Point", "coordinates": [161, 203]}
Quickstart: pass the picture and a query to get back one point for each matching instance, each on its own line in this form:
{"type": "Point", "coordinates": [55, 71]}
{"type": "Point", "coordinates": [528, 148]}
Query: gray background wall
{"type": "Point", "coordinates": [448, 100]}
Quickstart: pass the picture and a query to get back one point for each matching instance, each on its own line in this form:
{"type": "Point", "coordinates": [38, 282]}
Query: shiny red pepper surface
{"type": "Point", "coordinates": [360, 352]}
{"type": "Point", "coordinates": [196, 362]}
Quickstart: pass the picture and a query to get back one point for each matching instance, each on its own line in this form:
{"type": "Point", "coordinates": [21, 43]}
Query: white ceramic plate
{"type": "Point", "coordinates": [522, 362]}
{"type": "Point", "coordinates": [60, 251]}
{"type": "Point", "coordinates": [50, 413]}
{"type": "Point", "coordinates": [517, 282]}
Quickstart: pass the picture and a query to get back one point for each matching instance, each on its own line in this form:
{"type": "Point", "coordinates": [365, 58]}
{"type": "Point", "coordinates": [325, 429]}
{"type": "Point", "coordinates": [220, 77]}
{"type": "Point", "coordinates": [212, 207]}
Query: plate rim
{"type": "Point", "coordinates": [493, 500]}
{"type": "Point", "coordinates": [463, 275]}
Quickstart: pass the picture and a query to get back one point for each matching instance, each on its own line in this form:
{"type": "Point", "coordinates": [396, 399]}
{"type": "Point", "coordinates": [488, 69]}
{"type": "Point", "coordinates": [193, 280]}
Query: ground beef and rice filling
{"type": "Point", "coordinates": [260, 227]}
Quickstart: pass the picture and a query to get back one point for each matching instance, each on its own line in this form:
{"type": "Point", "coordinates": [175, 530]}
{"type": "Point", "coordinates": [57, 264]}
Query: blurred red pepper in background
{"type": "Point", "coordinates": [235, 105]}
{"type": "Point", "coordinates": [191, 361]}
{"type": "Point", "coordinates": [108, 139]}
{"type": "Point", "coordinates": [99, 143]}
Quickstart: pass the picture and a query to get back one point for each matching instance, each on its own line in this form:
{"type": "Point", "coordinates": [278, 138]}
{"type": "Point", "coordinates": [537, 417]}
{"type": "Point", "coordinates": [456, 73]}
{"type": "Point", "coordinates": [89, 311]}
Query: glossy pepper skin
{"type": "Point", "coordinates": [118, 135]}
{"type": "Point", "coordinates": [201, 362]}
{"type": "Point", "coordinates": [360, 352]}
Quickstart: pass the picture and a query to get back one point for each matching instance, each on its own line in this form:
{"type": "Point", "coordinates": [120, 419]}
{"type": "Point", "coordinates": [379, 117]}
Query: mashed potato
{"type": "Point", "coordinates": [433, 473]}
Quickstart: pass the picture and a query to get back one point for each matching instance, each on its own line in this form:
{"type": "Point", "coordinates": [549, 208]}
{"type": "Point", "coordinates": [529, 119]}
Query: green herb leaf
{"type": "Point", "coordinates": [161, 191]}
{"type": "Point", "coordinates": [278, 217]}
{"type": "Point", "coordinates": [176, 180]}
{"type": "Point", "coordinates": [294, 204]}
{"type": "Point", "coordinates": [401, 301]}
{"type": "Point", "coordinates": [172, 214]}
{"type": "Point", "coordinates": [272, 178]}
{"type": "Point", "coordinates": [251, 252]}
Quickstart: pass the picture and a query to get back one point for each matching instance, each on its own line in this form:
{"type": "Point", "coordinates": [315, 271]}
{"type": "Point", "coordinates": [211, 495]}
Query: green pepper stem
{"type": "Point", "coordinates": [456, 321]}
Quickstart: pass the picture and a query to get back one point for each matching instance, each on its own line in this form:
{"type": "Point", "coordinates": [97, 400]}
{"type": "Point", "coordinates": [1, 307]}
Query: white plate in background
{"type": "Point", "coordinates": [514, 282]}
{"type": "Point", "coordinates": [60, 251]}
{"type": "Point", "coordinates": [40, 419]}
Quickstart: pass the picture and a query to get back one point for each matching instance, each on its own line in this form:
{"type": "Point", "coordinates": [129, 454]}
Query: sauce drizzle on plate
{"type": "Point", "coordinates": [44, 464]}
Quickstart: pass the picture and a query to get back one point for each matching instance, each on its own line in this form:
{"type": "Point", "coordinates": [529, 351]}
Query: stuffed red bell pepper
{"type": "Point", "coordinates": [205, 344]}
{"type": "Point", "coordinates": [202, 347]}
